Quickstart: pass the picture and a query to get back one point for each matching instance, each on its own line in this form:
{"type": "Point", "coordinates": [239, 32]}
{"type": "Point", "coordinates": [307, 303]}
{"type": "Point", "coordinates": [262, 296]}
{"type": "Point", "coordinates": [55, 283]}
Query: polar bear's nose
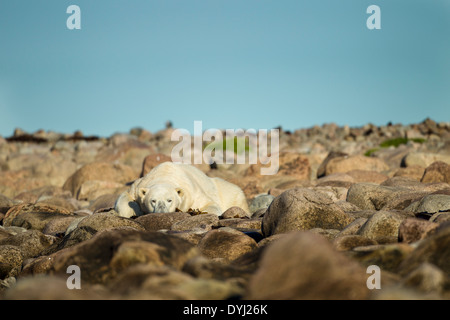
{"type": "Point", "coordinates": [161, 207]}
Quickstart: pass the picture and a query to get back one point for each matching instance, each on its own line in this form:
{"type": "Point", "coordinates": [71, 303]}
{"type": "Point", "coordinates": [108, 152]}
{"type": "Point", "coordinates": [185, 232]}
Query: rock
{"type": "Point", "coordinates": [424, 160]}
{"type": "Point", "coordinates": [302, 209]}
{"type": "Point", "coordinates": [40, 220]}
{"type": "Point", "coordinates": [93, 189]}
{"type": "Point", "coordinates": [261, 201]}
{"type": "Point", "coordinates": [161, 282]}
{"type": "Point", "coordinates": [382, 225]}
{"type": "Point", "coordinates": [367, 176]}
{"type": "Point", "coordinates": [159, 221]}
{"type": "Point", "coordinates": [5, 203]}
{"type": "Point", "coordinates": [59, 225]}
{"type": "Point", "coordinates": [348, 242]}
{"type": "Point", "coordinates": [99, 171]}
{"type": "Point", "coordinates": [203, 267]}
{"type": "Point", "coordinates": [238, 223]}
{"type": "Point", "coordinates": [104, 221]}
{"type": "Point", "coordinates": [336, 180]}
{"type": "Point", "coordinates": [353, 227]}
{"type": "Point", "coordinates": [413, 229]}
{"type": "Point", "coordinates": [33, 216]}
{"type": "Point", "coordinates": [357, 162]}
{"type": "Point", "coordinates": [434, 249]}
{"type": "Point", "coordinates": [388, 256]}
{"type": "Point", "coordinates": [347, 206]}
{"type": "Point", "coordinates": [84, 228]}
{"type": "Point", "coordinates": [432, 203]}
{"type": "Point", "coordinates": [53, 288]}
{"type": "Point", "coordinates": [369, 196]}
{"type": "Point", "coordinates": [321, 171]}
{"type": "Point", "coordinates": [234, 212]}
{"type": "Point", "coordinates": [103, 203]}
{"type": "Point", "coordinates": [289, 164]}
{"type": "Point", "coordinates": [427, 278]}
{"type": "Point", "coordinates": [198, 222]}
{"type": "Point", "coordinates": [437, 172]}
{"type": "Point", "coordinates": [440, 217]}
{"type": "Point", "coordinates": [106, 255]}
{"type": "Point", "coordinates": [30, 243]}
{"type": "Point", "coordinates": [11, 259]}
{"type": "Point", "coordinates": [152, 161]}
{"type": "Point", "coordinates": [412, 172]}
{"type": "Point", "coordinates": [224, 244]}
{"type": "Point", "coordinates": [285, 271]}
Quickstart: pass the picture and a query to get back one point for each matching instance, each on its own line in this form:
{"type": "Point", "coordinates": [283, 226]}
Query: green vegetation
{"type": "Point", "coordinates": [393, 142]}
{"type": "Point", "coordinates": [398, 141]}
{"type": "Point", "coordinates": [238, 145]}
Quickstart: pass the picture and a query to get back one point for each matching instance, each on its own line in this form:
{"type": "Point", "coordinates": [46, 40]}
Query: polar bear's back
{"type": "Point", "coordinates": [184, 175]}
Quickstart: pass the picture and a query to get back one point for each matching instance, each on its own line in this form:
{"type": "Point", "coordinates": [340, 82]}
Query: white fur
{"type": "Point", "coordinates": [170, 186]}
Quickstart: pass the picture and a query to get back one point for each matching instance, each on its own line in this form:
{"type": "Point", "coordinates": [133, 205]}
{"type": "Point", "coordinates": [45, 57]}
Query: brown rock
{"type": "Point", "coordinates": [437, 172]}
{"type": "Point", "coordinates": [413, 229]}
{"type": "Point", "coordinates": [43, 208]}
{"type": "Point", "coordinates": [152, 161]}
{"type": "Point", "coordinates": [11, 258]}
{"type": "Point", "coordinates": [159, 221]}
{"type": "Point", "coordinates": [108, 253]}
{"type": "Point", "coordinates": [349, 242]}
{"type": "Point", "coordinates": [102, 171]}
{"type": "Point", "coordinates": [198, 222]}
{"type": "Point", "coordinates": [53, 288]}
{"type": "Point", "coordinates": [358, 162]}
{"type": "Point", "coordinates": [224, 244]}
{"type": "Point", "coordinates": [286, 271]}
{"type": "Point", "coordinates": [367, 176]}
{"type": "Point", "coordinates": [434, 249]}
{"type": "Point", "coordinates": [413, 172]}
{"type": "Point", "coordinates": [321, 171]}
{"type": "Point", "coordinates": [290, 164]}
{"type": "Point", "coordinates": [234, 212]}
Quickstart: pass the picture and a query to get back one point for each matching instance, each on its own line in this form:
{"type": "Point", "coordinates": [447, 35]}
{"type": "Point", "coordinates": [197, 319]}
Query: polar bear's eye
{"type": "Point", "coordinates": [169, 200]}
{"type": "Point", "coordinates": [153, 201]}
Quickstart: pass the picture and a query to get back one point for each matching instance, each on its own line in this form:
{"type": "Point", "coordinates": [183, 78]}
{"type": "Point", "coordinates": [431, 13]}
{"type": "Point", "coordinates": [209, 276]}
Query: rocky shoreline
{"type": "Point", "coordinates": [343, 199]}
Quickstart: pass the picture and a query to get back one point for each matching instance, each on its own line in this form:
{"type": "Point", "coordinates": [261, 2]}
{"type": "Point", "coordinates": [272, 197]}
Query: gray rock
{"type": "Point", "coordinates": [368, 196]}
{"type": "Point", "coordinates": [432, 203]}
{"type": "Point", "coordinates": [261, 201]}
{"type": "Point", "coordinates": [303, 209]}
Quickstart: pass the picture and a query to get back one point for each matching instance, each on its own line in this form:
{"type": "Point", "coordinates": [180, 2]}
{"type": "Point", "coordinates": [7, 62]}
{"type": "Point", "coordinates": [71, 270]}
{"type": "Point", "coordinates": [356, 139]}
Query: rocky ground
{"type": "Point", "coordinates": [344, 199]}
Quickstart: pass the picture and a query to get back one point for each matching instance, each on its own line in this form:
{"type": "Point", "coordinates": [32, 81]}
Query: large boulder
{"type": "Point", "coordinates": [303, 209]}
{"type": "Point", "coordinates": [303, 265]}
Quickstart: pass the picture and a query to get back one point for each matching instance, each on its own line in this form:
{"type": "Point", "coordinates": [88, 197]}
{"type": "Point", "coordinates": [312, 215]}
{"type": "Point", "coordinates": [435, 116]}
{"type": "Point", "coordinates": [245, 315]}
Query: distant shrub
{"type": "Point", "coordinates": [231, 144]}
{"type": "Point", "coordinates": [393, 143]}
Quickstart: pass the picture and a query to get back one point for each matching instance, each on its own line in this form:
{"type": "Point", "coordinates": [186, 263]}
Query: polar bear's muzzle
{"type": "Point", "coordinates": [161, 207]}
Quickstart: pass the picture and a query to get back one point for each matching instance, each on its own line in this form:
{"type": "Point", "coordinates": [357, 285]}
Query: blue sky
{"type": "Point", "coordinates": [229, 63]}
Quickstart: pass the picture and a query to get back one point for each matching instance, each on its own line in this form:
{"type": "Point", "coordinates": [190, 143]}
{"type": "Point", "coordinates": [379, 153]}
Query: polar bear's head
{"type": "Point", "coordinates": [160, 198]}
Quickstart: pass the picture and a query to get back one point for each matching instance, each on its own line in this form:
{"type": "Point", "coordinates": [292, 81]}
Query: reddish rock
{"type": "Point", "coordinates": [437, 172]}
{"type": "Point", "coordinates": [412, 229]}
{"type": "Point", "coordinates": [152, 161]}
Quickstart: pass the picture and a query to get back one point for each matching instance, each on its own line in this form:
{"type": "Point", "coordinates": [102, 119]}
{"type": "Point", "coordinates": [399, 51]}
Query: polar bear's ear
{"type": "Point", "coordinates": [142, 191]}
{"type": "Point", "coordinates": [180, 192]}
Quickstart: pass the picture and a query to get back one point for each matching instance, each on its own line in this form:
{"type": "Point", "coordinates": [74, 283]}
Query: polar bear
{"type": "Point", "coordinates": [170, 186]}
